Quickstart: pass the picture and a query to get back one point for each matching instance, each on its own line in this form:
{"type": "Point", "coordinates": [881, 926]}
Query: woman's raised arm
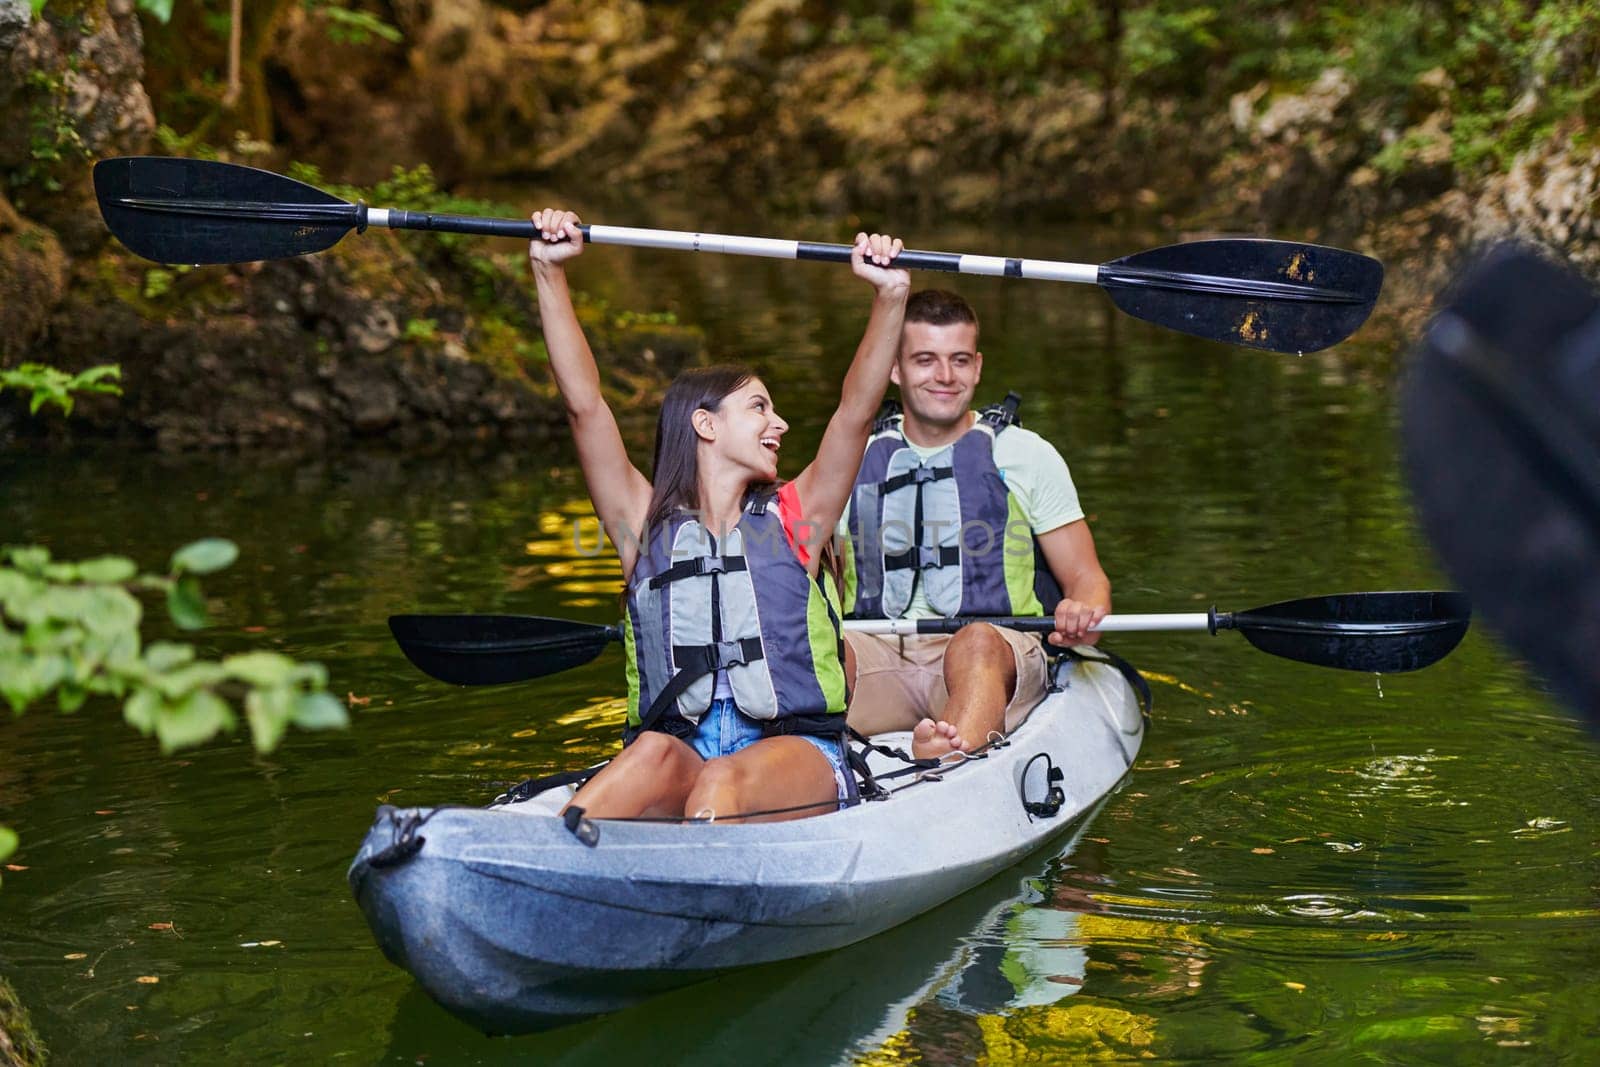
{"type": "Point", "coordinates": [824, 486]}
{"type": "Point", "coordinates": [619, 492]}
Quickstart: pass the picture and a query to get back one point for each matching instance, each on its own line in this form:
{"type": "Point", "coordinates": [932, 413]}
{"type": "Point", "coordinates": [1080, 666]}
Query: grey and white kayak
{"type": "Point", "coordinates": [515, 922]}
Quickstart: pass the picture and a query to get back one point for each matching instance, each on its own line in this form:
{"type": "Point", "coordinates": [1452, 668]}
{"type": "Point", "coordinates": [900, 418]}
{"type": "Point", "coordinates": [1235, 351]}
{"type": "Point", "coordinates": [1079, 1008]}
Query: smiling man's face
{"type": "Point", "coordinates": [938, 370]}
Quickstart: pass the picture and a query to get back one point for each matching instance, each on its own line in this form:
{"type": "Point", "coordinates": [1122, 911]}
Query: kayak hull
{"type": "Point", "coordinates": [510, 921]}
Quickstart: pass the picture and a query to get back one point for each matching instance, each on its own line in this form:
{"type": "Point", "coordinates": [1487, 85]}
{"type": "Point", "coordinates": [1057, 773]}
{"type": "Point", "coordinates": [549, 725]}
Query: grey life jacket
{"type": "Point", "coordinates": [746, 606]}
{"type": "Point", "coordinates": [947, 523]}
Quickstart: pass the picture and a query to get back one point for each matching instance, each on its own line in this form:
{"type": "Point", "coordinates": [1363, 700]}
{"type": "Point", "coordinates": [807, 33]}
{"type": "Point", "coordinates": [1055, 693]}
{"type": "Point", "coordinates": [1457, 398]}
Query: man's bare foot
{"type": "Point", "coordinates": [935, 740]}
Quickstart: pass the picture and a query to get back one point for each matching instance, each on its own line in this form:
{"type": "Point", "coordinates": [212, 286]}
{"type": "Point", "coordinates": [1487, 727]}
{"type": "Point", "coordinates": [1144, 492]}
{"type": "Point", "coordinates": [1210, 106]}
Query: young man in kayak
{"type": "Point", "coordinates": [735, 674]}
{"type": "Point", "coordinates": [943, 521]}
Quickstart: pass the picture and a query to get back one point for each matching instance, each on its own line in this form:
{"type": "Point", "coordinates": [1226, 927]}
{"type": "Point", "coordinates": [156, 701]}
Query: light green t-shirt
{"type": "Point", "coordinates": [1034, 473]}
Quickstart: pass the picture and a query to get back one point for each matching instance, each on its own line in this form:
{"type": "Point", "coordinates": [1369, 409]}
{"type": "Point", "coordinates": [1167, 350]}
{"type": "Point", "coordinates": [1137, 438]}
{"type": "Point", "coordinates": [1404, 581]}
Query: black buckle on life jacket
{"type": "Point", "coordinates": [735, 653]}
{"type": "Point", "coordinates": [917, 476]}
{"type": "Point", "coordinates": [698, 566]}
{"type": "Point", "coordinates": [923, 558]}
{"type": "Point", "coordinates": [999, 416]}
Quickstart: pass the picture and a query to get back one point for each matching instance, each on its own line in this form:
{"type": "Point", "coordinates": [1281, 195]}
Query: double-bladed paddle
{"type": "Point", "coordinates": [1281, 296]}
{"type": "Point", "coordinates": [1386, 632]}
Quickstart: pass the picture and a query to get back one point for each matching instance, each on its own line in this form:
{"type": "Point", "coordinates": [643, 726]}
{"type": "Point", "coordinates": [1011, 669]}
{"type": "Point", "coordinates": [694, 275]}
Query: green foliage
{"type": "Point", "coordinates": [73, 630]}
{"type": "Point", "coordinates": [645, 318]}
{"type": "Point", "coordinates": [173, 143]}
{"type": "Point", "coordinates": [350, 26]}
{"type": "Point", "coordinates": [53, 139]}
{"type": "Point", "coordinates": [974, 41]}
{"type": "Point", "coordinates": [1163, 47]}
{"type": "Point", "coordinates": [423, 330]}
{"type": "Point", "coordinates": [157, 282]}
{"type": "Point", "coordinates": [1506, 72]}
{"type": "Point", "coordinates": [415, 189]}
{"type": "Point", "coordinates": [52, 386]}
{"type": "Point", "coordinates": [160, 10]}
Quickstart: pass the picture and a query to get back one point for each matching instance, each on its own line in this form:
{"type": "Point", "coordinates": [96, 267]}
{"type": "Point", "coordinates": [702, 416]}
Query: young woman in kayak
{"type": "Point", "coordinates": [735, 680]}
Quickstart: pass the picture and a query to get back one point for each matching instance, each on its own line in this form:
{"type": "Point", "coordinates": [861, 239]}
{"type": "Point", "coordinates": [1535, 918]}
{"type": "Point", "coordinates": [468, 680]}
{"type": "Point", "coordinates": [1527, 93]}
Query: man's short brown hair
{"type": "Point", "coordinates": [939, 307]}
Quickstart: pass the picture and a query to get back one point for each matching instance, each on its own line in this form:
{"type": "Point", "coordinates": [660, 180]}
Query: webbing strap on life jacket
{"type": "Point", "coordinates": [888, 411]}
{"type": "Point", "coordinates": [699, 565]}
{"type": "Point", "coordinates": [999, 416]}
{"type": "Point", "coordinates": [916, 476]}
{"type": "Point", "coordinates": [694, 663]}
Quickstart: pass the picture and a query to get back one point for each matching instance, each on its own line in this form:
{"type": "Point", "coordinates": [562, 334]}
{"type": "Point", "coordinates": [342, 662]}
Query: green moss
{"type": "Point", "coordinates": [19, 1044]}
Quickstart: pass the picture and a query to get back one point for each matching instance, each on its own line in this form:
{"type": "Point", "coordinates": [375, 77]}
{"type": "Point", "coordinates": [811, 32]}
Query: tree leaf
{"type": "Point", "coordinates": [167, 655]}
{"type": "Point", "coordinates": [29, 559]}
{"type": "Point", "coordinates": [320, 711]}
{"type": "Point", "coordinates": [192, 721]}
{"type": "Point", "coordinates": [71, 697]}
{"type": "Point", "coordinates": [174, 685]}
{"type": "Point", "coordinates": [261, 669]}
{"type": "Point", "coordinates": [17, 681]}
{"type": "Point", "coordinates": [311, 673]}
{"type": "Point", "coordinates": [160, 10]}
{"type": "Point", "coordinates": [110, 609]}
{"type": "Point", "coordinates": [268, 711]}
{"type": "Point", "coordinates": [206, 556]}
{"type": "Point", "coordinates": [107, 570]}
{"type": "Point", "coordinates": [65, 602]}
{"type": "Point", "coordinates": [8, 842]}
{"type": "Point", "coordinates": [186, 604]}
{"type": "Point", "coordinates": [141, 709]}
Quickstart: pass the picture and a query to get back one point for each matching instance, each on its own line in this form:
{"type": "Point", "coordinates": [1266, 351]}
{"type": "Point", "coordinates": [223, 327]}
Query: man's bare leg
{"type": "Point", "coordinates": [980, 674]}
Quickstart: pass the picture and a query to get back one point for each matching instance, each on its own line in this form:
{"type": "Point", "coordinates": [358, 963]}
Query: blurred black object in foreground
{"type": "Point", "coordinates": [1500, 420]}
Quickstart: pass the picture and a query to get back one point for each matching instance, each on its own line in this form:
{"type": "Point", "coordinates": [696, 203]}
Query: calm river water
{"type": "Point", "coordinates": [1303, 866]}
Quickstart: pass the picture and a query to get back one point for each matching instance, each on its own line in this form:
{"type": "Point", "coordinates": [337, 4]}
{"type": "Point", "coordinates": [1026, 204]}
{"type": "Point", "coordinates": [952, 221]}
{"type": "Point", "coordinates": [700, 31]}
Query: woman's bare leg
{"type": "Point", "coordinates": [775, 772]}
{"type": "Point", "coordinates": [652, 776]}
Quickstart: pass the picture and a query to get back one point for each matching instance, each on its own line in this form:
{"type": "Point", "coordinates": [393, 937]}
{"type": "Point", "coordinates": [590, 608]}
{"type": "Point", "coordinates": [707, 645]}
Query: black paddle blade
{"type": "Point", "coordinates": [1500, 421]}
{"type": "Point", "coordinates": [1385, 633]}
{"type": "Point", "coordinates": [195, 211]}
{"type": "Point", "coordinates": [1280, 296]}
{"type": "Point", "coordinates": [496, 649]}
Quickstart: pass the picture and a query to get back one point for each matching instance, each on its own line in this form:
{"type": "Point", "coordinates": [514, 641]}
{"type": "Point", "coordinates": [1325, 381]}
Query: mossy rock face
{"type": "Point", "coordinates": [71, 90]}
{"type": "Point", "coordinates": [363, 341]}
{"type": "Point", "coordinates": [19, 1045]}
{"type": "Point", "coordinates": [33, 277]}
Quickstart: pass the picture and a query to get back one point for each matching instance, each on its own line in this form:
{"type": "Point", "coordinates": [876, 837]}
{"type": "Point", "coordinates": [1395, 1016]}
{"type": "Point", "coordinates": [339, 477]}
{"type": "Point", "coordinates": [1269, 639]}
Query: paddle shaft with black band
{"type": "Point", "coordinates": [1388, 632]}
{"type": "Point", "coordinates": [1278, 296]}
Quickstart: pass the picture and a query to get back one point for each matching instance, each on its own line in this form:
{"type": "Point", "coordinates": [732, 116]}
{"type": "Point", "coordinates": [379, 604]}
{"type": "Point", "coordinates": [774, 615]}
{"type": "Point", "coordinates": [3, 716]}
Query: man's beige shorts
{"type": "Point", "coordinates": [900, 681]}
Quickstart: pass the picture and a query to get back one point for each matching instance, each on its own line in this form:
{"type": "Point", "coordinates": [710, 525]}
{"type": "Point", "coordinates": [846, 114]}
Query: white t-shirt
{"type": "Point", "coordinates": [1034, 473]}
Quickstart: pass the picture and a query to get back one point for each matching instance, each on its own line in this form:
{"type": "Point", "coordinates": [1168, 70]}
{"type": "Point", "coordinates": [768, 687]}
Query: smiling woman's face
{"type": "Point", "coordinates": [744, 431]}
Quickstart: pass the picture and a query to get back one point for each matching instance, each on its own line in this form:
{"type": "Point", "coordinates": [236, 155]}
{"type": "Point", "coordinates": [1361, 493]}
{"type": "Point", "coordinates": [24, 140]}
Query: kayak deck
{"type": "Point", "coordinates": [510, 921]}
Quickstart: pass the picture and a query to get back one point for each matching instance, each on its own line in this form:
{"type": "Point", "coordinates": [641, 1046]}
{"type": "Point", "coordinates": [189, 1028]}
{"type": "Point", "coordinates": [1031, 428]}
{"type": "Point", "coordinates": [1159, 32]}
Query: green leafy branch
{"type": "Point", "coordinates": [52, 386]}
{"type": "Point", "coordinates": [349, 26]}
{"type": "Point", "coordinates": [72, 630]}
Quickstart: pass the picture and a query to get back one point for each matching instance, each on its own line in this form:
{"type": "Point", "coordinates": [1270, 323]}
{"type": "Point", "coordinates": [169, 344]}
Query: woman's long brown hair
{"type": "Point", "coordinates": [675, 471]}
